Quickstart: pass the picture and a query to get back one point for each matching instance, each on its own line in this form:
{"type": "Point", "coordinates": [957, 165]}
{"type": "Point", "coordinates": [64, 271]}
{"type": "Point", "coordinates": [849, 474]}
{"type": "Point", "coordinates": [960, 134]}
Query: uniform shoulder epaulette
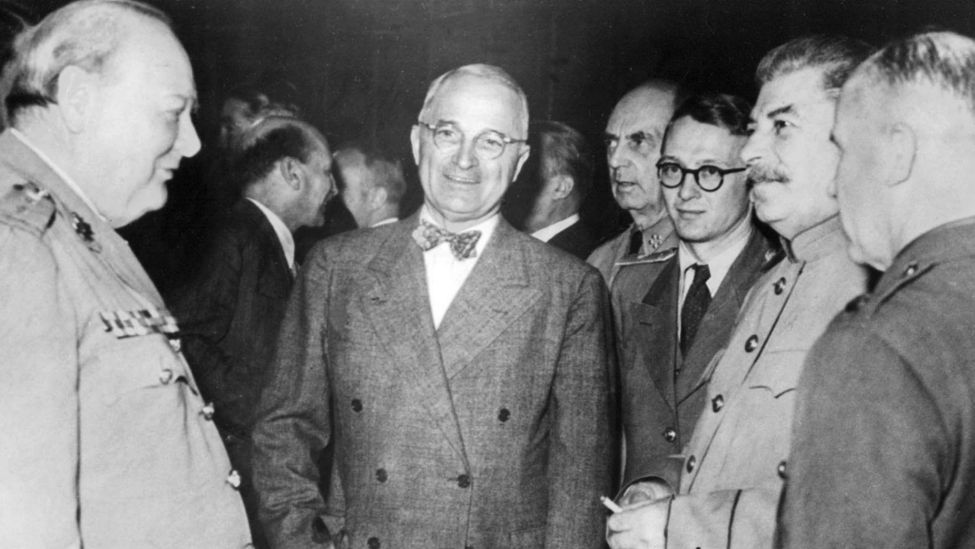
{"type": "Point", "coordinates": [28, 207]}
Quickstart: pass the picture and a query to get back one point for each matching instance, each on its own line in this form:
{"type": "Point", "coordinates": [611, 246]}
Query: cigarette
{"type": "Point", "coordinates": [610, 504]}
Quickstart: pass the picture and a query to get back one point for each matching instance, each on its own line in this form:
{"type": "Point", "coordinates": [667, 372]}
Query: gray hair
{"type": "Point", "coordinates": [836, 55]}
{"type": "Point", "coordinates": [84, 34]}
{"type": "Point", "coordinates": [487, 72]}
{"type": "Point", "coordinates": [943, 59]}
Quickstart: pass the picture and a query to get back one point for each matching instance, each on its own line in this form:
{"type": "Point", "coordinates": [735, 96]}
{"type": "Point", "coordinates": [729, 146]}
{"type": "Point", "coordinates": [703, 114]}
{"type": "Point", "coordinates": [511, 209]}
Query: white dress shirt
{"type": "Point", "coordinates": [281, 230]}
{"type": "Point", "coordinates": [445, 273]}
{"type": "Point", "coordinates": [719, 265]}
{"type": "Point", "coordinates": [546, 233]}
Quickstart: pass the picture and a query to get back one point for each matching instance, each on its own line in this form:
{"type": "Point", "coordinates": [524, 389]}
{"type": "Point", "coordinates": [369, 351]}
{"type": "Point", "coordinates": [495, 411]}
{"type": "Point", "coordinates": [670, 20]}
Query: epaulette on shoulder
{"type": "Point", "coordinates": [28, 207]}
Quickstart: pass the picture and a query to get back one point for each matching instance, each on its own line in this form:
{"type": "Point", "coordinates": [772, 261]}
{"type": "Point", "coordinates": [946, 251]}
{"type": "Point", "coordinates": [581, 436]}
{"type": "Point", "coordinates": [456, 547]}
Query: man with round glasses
{"type": "Point", "coordinates": [670, 335]}
{"type": "Point", "coordinates": [733, 467]}
{"type": "Point", "coordinates": [459, 367]}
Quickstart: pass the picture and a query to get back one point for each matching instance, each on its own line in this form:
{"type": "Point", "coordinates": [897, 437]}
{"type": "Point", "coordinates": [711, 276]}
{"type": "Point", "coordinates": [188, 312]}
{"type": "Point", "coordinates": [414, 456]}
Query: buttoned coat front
{"type": "Point", "coordinates": [104, 439]}
{"type": "Point", "coordinates": [492, 431]}
{"type": "Point", "coordinates": [662, 391]}
{"type": "Point", "coordinates": [736, 460]}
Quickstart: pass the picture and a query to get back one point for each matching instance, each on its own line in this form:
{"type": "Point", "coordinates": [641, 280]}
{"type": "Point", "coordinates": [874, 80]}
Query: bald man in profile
{"type": "Point", "coordinates": [883, 453]}
{"type": "Point", "coordinates": [459, 367]}
{"type": "Point", "coordinates": [104, 439]}
{"type": "Point", "coordinates": [230, 313]}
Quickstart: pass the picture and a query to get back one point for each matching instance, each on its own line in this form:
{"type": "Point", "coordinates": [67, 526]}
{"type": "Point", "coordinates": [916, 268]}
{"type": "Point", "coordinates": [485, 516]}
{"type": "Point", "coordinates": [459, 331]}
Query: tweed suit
{"type": "Point", "coordinates": [492, 431]}
{"type": "Point", "coordinates": [662, 391]}
{"type": "Point", "coordinates": [104, 439]}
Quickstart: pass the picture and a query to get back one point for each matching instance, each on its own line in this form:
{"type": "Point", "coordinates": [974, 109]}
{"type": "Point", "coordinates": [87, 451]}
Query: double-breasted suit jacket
{"type": "Point", "coordinates": [104, 439]}
{"type": "Point", "coordinates": [662, 391]}
{"type": "Point", "coordinates": [734, 465]}
{"type": "Point", "coordinates": [492, 431]}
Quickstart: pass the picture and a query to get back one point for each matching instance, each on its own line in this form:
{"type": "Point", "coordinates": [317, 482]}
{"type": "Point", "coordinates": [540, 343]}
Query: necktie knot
{"type": "Point", "coordinates": [429, 236]}
{"type": "Point", "coordinates": [701, 274]}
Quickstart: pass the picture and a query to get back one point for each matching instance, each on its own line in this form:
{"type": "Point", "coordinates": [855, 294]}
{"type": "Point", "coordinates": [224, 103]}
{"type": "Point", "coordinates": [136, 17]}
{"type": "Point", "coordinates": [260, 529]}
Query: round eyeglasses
{"type": "Point", "coordinates": [488, 144]}
{"type": "Point", "coordinates": [709, 178]}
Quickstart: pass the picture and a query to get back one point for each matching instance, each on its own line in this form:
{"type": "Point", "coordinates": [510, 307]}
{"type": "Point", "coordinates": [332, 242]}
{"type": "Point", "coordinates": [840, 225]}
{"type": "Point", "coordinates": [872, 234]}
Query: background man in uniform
{"type": "Point", "coordinates": [884, 441]}
{"type": "Point", "coordinates": [555, 182]}
{"type": "Point", "coordinates": [669, 337]}
{"type": "Point", "coordinates": [105, 440]}
{"type": "Point", "coordinates": [465, 387]}
{"type": "Point", "coordinates": [633, 136]}
{"type": "Point", "coordinates": [735, 462]}
{"type": "Point", "coordinates": [230, 315]}
{"type": "Point", "coordinates": [372, 185]}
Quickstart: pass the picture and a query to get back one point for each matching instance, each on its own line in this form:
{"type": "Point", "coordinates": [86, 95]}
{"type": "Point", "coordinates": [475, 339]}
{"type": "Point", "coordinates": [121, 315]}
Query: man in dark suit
{"type": "Point", "coordinates": [462, 378]}
{"type": "Point", "coordinates": [554, 185]}
{"type": "Point", "coordinates": [668, 338]}
{"type": "Point", "coordinates": [883, 453]}
{"type": "Point", "coordinates": [231, 312]}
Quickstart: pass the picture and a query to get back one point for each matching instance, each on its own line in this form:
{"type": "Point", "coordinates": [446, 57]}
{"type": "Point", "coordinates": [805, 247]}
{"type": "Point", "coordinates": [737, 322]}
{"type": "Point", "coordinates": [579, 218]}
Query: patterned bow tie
{"type": "Point", "coordinates": [428, 236]}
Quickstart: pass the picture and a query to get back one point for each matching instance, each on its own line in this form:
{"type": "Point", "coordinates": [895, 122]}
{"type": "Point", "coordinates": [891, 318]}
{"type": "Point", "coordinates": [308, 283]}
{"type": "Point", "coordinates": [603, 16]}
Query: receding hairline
{"type": "Point", "coordinates": [272, 123]}
{"type": "Point", "coordinates": [488, 73]}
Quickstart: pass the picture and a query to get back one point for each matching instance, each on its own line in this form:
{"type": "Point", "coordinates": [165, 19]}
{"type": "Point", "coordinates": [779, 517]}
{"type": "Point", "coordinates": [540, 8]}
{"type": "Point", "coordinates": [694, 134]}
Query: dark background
{"type": "Point", "coordinates": [362, 66]}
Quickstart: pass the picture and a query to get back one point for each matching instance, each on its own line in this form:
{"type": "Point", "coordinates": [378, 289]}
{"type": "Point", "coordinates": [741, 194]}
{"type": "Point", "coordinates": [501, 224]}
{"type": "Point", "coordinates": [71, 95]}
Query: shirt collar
{"type": "Point", "coordinates": [281, 230]}
{"type": "Point", "coordinates": [546, 233]}
{"type": "Point", "coordinates": [486, 227]}
{"type": "Point", "coordinates": [720, 263]}
{"type": "Point", "coordinates": [57, 170]}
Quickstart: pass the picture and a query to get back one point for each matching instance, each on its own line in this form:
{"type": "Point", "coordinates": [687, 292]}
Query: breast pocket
{"type": "Point", "coordinates": [122, 367]}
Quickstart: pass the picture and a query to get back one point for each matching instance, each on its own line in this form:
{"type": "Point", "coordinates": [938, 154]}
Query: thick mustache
{"type": "Point", "coordinates": [760, 174]}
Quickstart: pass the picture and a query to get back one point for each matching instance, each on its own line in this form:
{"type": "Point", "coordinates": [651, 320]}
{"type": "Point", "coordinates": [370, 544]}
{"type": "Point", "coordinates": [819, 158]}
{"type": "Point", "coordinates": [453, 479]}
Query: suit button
{"type": "Point", "coordinates": [751, 344]}
{"type": "Point", "coordinates": [464, 481]}
{"type": "Point", "coordinates": [779, 286]}
{"type": "Point", "coordinates": [207, 411]}
{"type": "Point", "coordinates": [356, 405]}
{"type": "Point", "coordinates": [373, 543]}
{"type": "Point", "coordinates": [717, 403]}
{"type": "Point", "coordinates": [910, 270]}
{"type": "Point", "coordinates": [670, 434]}
{"type": "Point", "coordinates": [176, 345]}
{"type": "Point", "coordinates": [381, 475]}
{"type": "Point", "coordinates": [781, 470]}
{"type": "Point", "coordinates": [165, 376]}
{"type": "Point", "coordinates": [233, 479]}
{"type": "Point", "coordinates": [503, 415]}
{"type": "Point", "coordinates": [691, 462]}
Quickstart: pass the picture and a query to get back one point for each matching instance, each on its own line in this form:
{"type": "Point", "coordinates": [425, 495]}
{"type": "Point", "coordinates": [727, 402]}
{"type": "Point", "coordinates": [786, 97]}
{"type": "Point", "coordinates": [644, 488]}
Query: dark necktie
{"type": "Point", "coordinates": [429, 236]}
{"type": "Point", "coordinates": [695, 305]}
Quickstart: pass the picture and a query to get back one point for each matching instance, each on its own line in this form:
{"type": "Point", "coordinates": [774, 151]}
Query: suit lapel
{"type": "Point", "coordinates": [398, 306]}
{"type": "Point", "coordinates": [717, 324]}
{"type": "Point", "coordinates": [275, 278]}
{"type": "Point", "coordinates": [656, 321]}
{"type": "Point", "coordinates": [495, 294]}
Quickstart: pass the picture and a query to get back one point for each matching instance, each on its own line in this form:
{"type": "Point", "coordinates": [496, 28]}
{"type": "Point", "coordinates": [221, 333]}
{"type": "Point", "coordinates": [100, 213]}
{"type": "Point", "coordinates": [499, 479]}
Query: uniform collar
{"type": "Point", "coordinates": [816, 242]}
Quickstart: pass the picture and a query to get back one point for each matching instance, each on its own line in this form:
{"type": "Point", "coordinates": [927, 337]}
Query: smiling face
{"type": "Point", "coordinates": [138, 125]}
{"type": "Point", "coordinates": [633, 135]}
{"type": "Point", "coordinates": [460, 188]}
{"type": "Point", "coordinates": [701, 216]}
{"type": "Point", "coordinates": [790, 157]}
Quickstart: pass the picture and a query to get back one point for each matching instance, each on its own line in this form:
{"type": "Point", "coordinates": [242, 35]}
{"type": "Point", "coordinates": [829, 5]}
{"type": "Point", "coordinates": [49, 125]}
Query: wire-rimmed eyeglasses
{"type": "Point", "coordinates": [488, 144]}
{"type": "Point", "coordinates": [709, 178]}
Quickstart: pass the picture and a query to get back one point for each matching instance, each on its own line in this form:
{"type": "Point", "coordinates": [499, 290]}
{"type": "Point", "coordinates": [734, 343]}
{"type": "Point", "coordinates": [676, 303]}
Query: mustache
{"type": "Point", "coordinates": [761, 174]}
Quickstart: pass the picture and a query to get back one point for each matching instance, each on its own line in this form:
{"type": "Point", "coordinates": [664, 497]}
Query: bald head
{"type": "Point", "coordinates": [88, 34]}
{"type": "Point", "coordinates": [906, 128]}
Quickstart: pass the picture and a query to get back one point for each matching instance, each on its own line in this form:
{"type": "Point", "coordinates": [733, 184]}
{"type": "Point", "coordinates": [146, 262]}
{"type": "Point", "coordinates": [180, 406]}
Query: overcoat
{"type": "Point", "coordinates": [492, 431]}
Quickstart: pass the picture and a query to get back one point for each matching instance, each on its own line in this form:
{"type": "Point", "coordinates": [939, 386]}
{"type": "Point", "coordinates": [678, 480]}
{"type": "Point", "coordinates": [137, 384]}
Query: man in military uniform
{"type": "Point", "coordinates": [884, 449]}
{"type": "Point", "coordinates": [733, 466]}
{"type": "Point", "coordinates": [633, 135]}
{"type": "Point", "coordinates": [104, 440]}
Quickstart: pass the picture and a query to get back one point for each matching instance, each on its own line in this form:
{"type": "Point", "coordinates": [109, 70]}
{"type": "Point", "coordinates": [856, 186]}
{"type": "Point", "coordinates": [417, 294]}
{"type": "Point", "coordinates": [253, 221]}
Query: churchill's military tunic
{"type": "Point", "coordinates": [884, 448]}
{"type": "Point", "coordinates": [735, 462]}
{"type": "Point", "coordinates": [104, 439]}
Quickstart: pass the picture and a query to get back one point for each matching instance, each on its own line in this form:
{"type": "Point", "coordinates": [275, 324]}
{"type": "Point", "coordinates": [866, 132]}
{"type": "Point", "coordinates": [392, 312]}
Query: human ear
{"type": "Point", "coordinates": [902, 152]}
{"type": "Point", "coordinates": [75, 97]}
{"type": "Point", "coordinates": [415, 143]}
{"type": "Point", "coordinates": [291, 172]}
{"type": "Point", "coordinates": [522, 157]}
{"type": "Point", "coordinates": [563, 186]}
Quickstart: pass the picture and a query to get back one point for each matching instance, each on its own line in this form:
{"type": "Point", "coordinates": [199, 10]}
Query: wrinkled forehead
{"type": "Point", "coordinates": [646, 109]}
{"type": "Point", "coordinates": [477, 104]}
